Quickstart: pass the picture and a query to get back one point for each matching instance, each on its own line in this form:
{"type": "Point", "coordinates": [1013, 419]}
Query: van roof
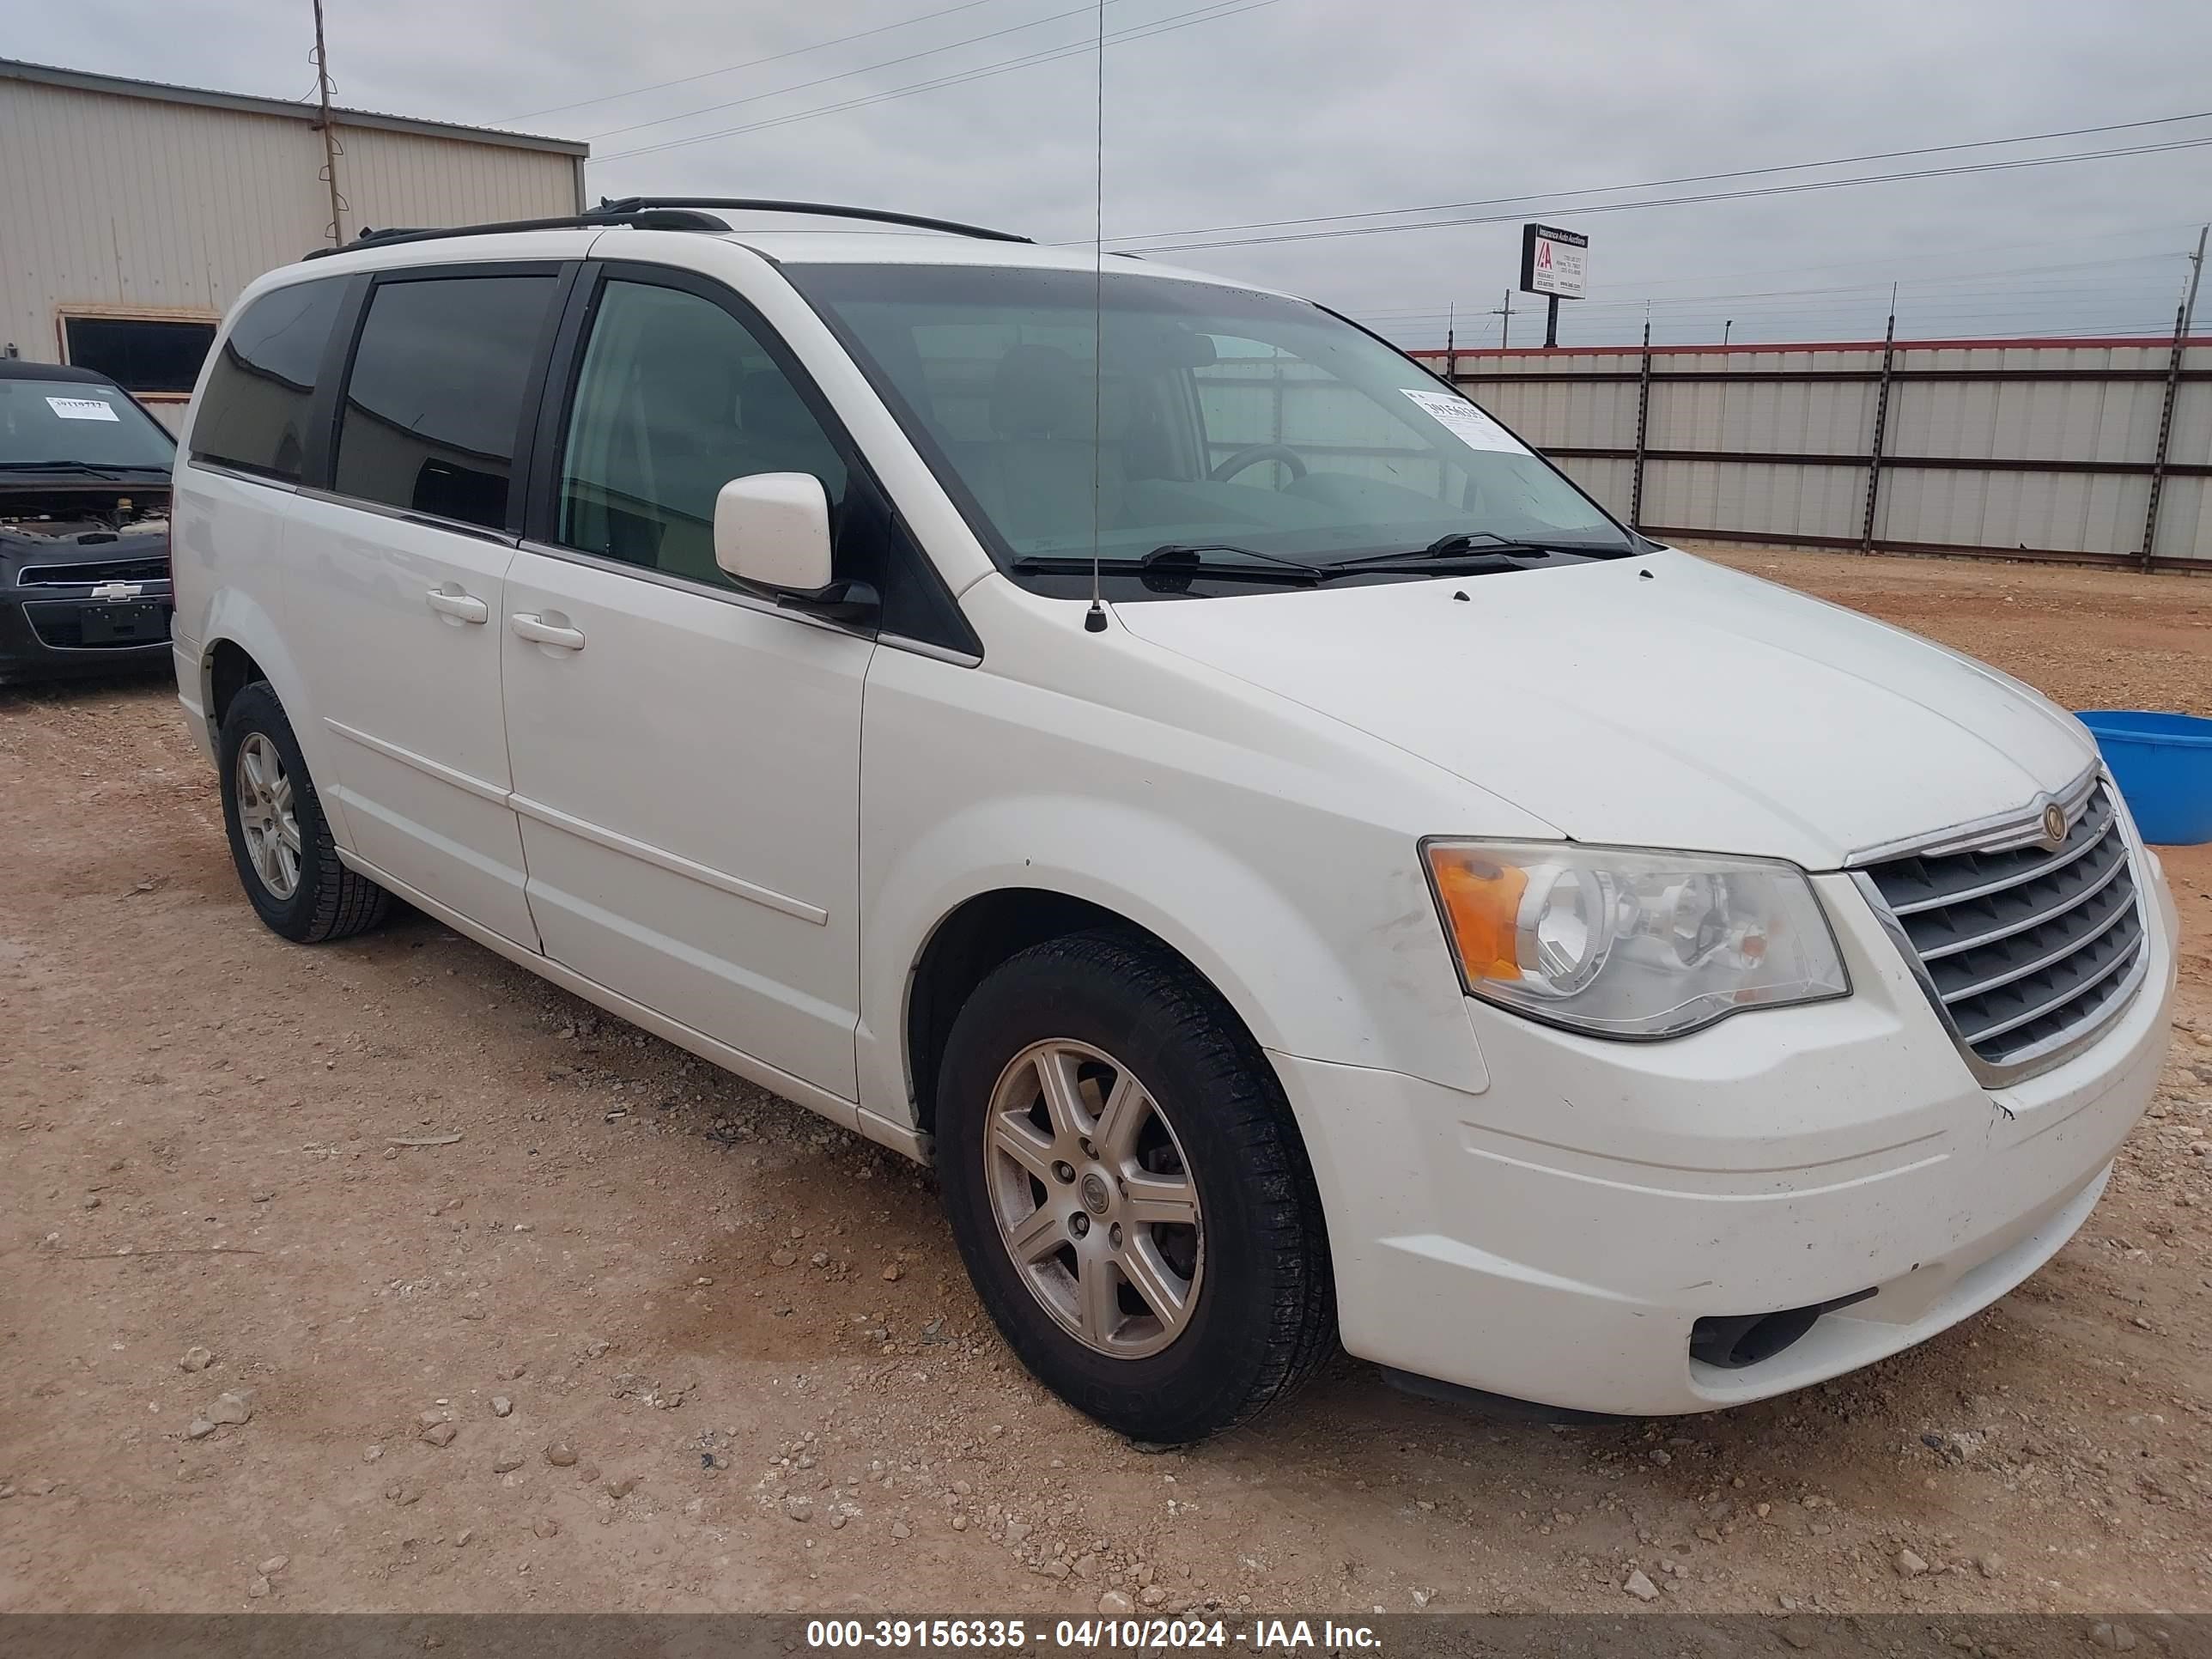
{"type": "Point", "coordinates": [822, 247]}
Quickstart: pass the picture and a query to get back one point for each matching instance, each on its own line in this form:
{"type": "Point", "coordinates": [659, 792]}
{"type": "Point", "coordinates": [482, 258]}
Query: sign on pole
{"type": "Point", "coordinates": [1554, 262]}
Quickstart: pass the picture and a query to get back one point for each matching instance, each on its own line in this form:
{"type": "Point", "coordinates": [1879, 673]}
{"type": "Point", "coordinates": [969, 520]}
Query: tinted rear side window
{"type": "Point", "coordinates": [253, 414]}
{"type": "Point", "coordinates": [435, 401]}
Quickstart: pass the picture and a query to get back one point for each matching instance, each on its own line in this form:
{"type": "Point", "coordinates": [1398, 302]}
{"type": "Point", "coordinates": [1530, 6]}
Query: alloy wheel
{"type": "Point", "coordinates": [266, 817]}
{"type": "Point", "coordinates": [1094, 1200]}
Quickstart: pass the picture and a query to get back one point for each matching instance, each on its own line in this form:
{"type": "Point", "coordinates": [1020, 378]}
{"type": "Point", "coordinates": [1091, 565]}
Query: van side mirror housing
{"type": "Point", "coordinates": [772, 534]}
{"type": "Point", "coordinates": [772, 530]}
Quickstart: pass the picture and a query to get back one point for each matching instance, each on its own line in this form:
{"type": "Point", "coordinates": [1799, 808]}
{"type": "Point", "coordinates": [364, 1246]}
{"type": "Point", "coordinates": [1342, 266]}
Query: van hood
{"type": "Point", "coordinates": [1652, 702]}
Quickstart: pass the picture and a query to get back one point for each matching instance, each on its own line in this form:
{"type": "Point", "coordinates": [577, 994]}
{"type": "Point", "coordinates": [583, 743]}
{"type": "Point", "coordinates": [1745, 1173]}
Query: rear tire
{"type": "Point", "coordinates": [1165, 1108]}
{"type": "Point", "coordinates": [280, 841]}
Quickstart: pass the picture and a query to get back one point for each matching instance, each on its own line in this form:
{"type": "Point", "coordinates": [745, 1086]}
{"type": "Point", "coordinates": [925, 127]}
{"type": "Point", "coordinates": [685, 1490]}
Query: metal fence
{"type": "Point", "coordinates": [2093, 452]}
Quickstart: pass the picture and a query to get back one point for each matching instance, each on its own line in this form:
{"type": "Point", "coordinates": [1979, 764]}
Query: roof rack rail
{"type": "Point", "coordinates": [823, 209]}
{"type": "Point", "coordinates": [666, 213]}
{"type": "Point", "coordinates": [653, 218]}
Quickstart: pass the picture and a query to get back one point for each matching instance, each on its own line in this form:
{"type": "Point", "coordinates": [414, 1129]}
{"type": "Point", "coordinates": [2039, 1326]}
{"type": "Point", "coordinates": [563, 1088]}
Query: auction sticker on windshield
{"type": "Point", "coordinates": [1465, 422]}
{"type": "Point", "coordinates": [81, 409]}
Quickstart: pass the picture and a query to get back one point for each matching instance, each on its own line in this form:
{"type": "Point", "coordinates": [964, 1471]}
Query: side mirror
{"type": "Point", "coordinates": [772, 532]}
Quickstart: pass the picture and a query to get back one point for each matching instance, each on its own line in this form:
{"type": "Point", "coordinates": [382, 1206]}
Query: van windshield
{"type": "Point", "coordinates": [1254, 426]}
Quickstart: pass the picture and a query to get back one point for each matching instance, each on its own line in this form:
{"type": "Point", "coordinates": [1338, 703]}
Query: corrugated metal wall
{"type": "Point", "coordinates": [412, 179]}
{"type": "Point", "coordinates": [119, 203]}
{"type": "Point", "coordinates": [2042, 447]}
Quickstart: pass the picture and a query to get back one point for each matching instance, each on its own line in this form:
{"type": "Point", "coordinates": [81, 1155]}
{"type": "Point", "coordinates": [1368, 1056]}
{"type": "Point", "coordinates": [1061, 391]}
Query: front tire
{"type": "Point", "coordinates": [280, 841]}
{"type": "Point", "coordinates": [1128, 1190]}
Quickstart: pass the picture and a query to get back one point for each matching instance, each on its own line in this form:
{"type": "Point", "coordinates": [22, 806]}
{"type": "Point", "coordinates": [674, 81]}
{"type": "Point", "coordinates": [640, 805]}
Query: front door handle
{"type": "Point", "coordinates": [540, 631]}
{"type": "Point", "coordinates": [450, 601]}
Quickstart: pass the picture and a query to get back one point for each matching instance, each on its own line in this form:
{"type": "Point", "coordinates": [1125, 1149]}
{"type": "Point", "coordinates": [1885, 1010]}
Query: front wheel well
{"type": "Point", "coordinates": [984, 931]}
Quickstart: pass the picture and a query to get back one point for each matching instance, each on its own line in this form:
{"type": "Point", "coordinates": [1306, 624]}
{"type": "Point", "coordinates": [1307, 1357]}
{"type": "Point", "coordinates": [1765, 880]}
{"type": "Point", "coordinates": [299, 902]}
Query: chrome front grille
{"type": "Point", "coordinates": [2025, 949]}
{"type": "Point", "coordinates": [104, 570]}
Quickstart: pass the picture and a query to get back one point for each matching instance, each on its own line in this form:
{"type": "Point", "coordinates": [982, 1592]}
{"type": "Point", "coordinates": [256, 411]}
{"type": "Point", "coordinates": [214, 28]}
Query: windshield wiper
{"type": "Point", "coordinates": [57, 467]}
{"type": "Point", "coordinates": [1186, 559]}
{"type": "Point", "coordinates": [1489, 541]}
{"type": "Point", "coordinates": [1177, 552]}
{"type": "Point", "coordinates": [1462, 553]}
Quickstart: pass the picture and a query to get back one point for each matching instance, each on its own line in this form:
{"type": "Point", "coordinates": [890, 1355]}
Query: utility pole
{"type": "Point", "coordinates": [2195, 275]}
{"type": "Point", "coordinates": [330, 138]}
{"type": "Point", "coordinates": [1451, 340]}
{"type": "Point", "coordinates": [2182, 321]}
{"type": "Point", "coordinates": [1505, 328]}
{"type": "Point", "coordinates": [1725, 327]}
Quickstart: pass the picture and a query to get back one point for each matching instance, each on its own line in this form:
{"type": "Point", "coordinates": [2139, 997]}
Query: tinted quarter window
{"type": "Point", "coordinates": [434, 400]}
{"type": "Point", "coordinates": [254, 412]}
{"type": "Point", "coordinates": [144, 354]}
{"type": "Point", "coordinates": [675, 398]}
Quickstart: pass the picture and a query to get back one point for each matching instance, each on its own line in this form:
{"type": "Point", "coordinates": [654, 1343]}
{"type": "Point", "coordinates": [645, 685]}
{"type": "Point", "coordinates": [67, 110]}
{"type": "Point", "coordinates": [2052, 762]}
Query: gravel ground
{"type": "Point", "coordinates": [383, 1276]}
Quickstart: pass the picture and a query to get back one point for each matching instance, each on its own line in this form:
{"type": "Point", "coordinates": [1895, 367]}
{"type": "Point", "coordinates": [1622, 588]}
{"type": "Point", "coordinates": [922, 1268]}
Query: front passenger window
{"type": "Point", "coordinates": [676, 397]}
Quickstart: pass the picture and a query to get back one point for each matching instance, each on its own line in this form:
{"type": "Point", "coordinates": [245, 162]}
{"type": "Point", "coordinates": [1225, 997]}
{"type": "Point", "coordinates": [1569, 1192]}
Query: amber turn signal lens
{"type": "Point", "coordinates": [1481, 901]}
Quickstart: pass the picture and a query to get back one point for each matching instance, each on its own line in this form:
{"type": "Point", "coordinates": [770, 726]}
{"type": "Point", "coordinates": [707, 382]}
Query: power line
{"type": "Point", "coordinates": [1667, 184]}
{"type": "Point", "coordinates": [1684, 201]}
{"type": "Point", "coordinates": [846, 74]}
{"type": "Point", "coordinates": [753, 63]}
{"type": "Point", "coordinates": [1139, 32]}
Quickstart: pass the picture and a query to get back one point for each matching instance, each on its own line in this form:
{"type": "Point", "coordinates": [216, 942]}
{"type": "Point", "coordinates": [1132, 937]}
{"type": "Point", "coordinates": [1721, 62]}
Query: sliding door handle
{"type": "Point", "coordinates": [537, 629]}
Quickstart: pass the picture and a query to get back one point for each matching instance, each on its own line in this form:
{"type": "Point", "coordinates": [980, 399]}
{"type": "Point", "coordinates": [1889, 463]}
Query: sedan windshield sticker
{"type": "Point", "coordinates": [81, 409]}
{"type": "Point", "coordinates": [1465, 422]}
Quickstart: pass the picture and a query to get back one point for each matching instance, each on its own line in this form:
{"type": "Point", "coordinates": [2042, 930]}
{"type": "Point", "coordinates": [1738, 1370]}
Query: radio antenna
{"type": "Point", "coordinates": [1094, 620]}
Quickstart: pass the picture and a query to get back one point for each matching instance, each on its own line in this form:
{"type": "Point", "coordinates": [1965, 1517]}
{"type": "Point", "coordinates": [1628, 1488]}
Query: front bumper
{"type": "Point", "coordinates": [49, 631]}
{"type": "Point", "coordinates": [1557, 1237]}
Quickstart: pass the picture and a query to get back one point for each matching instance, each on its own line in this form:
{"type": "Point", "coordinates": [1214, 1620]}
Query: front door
{"type": "Point", "coordinates": [394, 581]}
{"type": "Point", "coordinates": [686, 756]}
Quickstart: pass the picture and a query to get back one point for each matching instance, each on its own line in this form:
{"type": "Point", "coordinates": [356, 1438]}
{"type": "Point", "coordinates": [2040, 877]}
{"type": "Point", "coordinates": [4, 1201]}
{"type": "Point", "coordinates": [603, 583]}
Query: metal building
{"type": "Point", "coordinates": [131, 213]}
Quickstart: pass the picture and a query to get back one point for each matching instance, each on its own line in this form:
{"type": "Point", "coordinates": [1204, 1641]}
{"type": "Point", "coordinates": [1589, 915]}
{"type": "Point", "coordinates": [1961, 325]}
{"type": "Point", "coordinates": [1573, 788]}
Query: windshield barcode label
{"type": "Point", "coordinates": [81, 409]}
{"type": "Point", "coordinates": [1464, 421]}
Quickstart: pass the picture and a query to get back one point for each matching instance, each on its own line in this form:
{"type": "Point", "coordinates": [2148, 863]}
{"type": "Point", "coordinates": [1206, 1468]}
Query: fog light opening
{"type": "Point", "coordinates": [1730, 1342]}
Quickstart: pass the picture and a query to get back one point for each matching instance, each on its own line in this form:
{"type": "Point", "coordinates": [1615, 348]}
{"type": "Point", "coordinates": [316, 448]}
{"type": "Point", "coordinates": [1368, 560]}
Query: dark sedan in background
{"type": "Point", "coordinates": [84, 525]}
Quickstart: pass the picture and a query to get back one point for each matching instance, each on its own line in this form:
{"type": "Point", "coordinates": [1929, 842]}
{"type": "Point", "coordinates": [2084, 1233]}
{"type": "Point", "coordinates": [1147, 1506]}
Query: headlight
{"type": "Point", "coordinates": [1629, 944]}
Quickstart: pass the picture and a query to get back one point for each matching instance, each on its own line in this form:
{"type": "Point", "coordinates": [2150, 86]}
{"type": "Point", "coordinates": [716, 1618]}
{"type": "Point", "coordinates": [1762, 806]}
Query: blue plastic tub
{"type": "Point", "coordinates": [2164, 766]}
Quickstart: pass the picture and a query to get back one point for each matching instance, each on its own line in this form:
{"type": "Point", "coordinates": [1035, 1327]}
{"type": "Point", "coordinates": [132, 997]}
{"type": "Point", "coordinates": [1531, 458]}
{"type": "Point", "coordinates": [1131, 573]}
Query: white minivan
{"type": "Point", "coordinates": [1303, 871]}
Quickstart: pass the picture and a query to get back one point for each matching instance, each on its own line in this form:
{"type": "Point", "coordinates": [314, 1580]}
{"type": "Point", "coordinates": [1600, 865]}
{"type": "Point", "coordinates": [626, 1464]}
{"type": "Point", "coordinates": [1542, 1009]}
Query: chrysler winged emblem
{"type": "Point", "coordinates": [2054, 825]}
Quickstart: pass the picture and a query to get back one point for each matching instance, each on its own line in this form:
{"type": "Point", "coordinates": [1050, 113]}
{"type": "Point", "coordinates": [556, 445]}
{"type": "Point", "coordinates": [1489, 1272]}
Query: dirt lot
{"type": "Point", "coordinates": [748, 1342]}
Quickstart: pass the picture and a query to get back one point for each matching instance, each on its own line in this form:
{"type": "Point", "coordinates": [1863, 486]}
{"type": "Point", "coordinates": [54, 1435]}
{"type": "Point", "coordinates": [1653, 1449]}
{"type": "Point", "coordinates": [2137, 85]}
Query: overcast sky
{"type": "Point", "coordinates": [1300, 109]}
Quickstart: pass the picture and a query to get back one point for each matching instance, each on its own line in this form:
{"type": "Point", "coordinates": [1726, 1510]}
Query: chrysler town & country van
{"type": "Point", "coordinates": [1303, 871]}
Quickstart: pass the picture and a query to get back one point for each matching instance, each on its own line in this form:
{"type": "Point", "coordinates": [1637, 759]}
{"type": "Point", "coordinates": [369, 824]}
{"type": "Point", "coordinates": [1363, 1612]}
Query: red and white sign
{"type": "Point", "coordinates": [1555, 262]}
